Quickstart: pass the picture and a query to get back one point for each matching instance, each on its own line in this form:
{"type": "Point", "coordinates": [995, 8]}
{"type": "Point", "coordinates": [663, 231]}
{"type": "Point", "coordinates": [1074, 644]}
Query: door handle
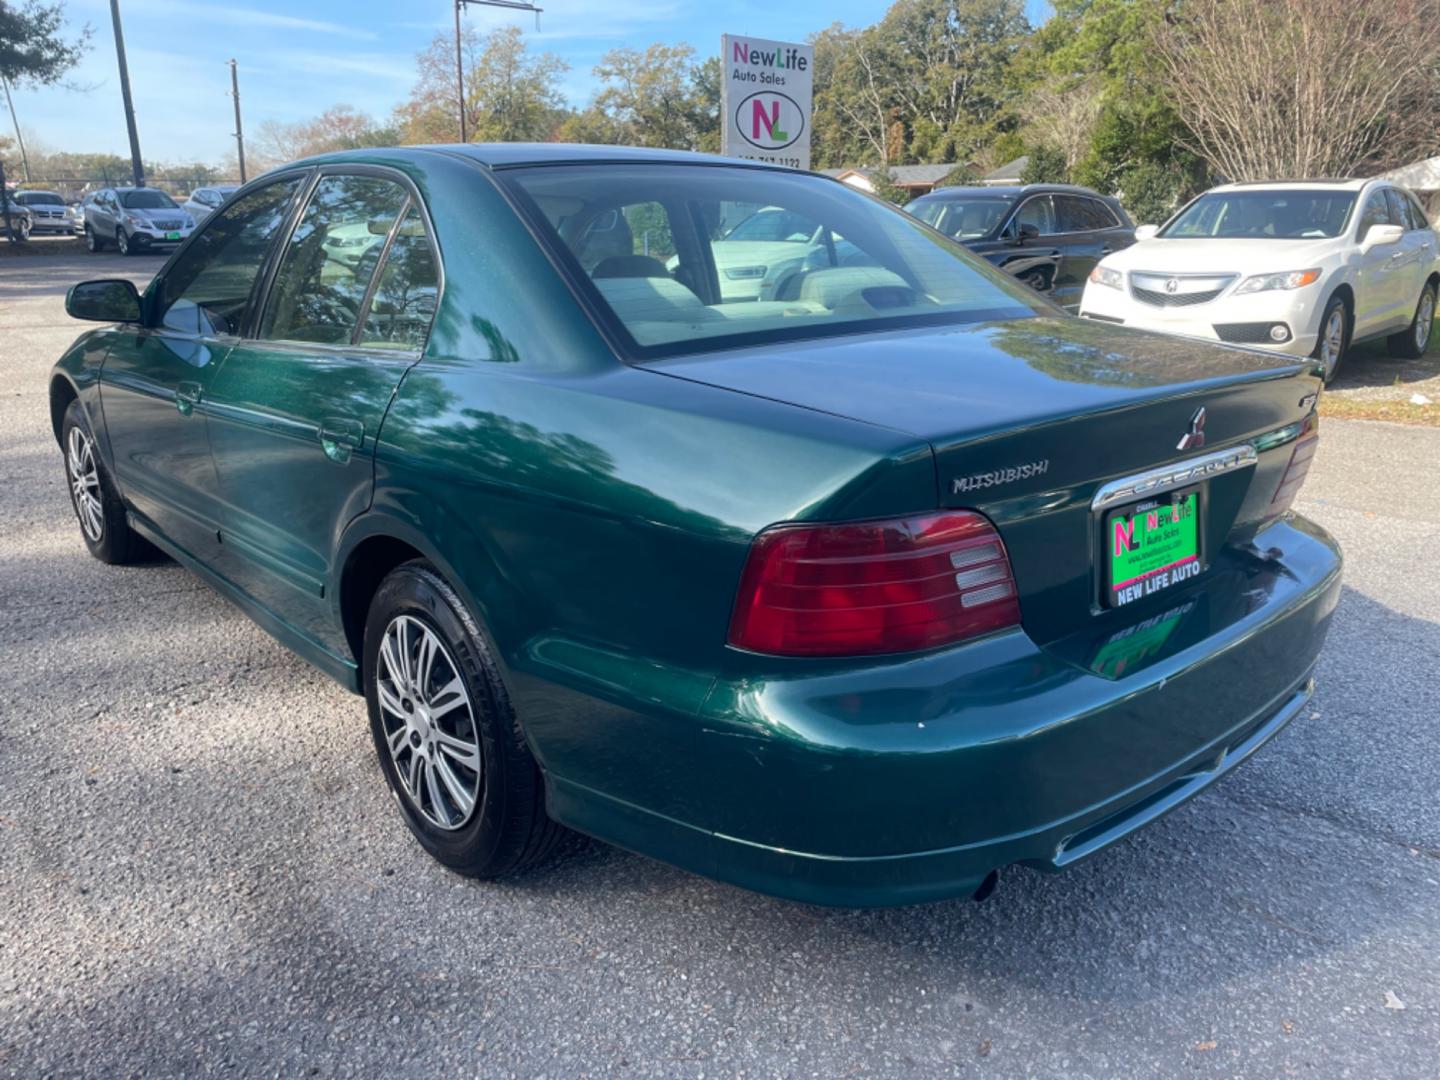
{"type": "Point", "coordinates": [187, 396]}
{"type": "Point", "coordinates": [340, 435]}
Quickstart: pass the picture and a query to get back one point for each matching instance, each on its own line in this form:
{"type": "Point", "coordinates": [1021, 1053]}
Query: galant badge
{"type": "Point", "coordinates": [1195, 437]}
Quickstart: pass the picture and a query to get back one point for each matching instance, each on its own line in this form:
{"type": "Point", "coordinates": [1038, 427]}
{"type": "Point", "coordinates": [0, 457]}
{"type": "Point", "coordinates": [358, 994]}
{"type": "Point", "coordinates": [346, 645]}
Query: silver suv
{"type": "Point", "coordinates": [135, 220]}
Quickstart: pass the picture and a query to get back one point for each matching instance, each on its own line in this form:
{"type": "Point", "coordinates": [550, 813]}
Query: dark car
{"type": "Point", "coordinates": [1050, 236]}
{"type": "Point", "coordinates": [852, 597]}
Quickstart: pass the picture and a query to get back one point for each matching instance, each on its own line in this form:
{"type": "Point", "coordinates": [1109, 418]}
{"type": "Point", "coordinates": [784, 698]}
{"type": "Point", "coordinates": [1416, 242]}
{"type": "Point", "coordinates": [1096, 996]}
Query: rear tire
{"type": "Point", "coordinates": [1411, 343]}
{"type": "Point", "coordinates": [426, 715]}
{"type": "Point", "coordinates": [97, 505]}
{"type": "Point", "coordinates": [1334, 340]}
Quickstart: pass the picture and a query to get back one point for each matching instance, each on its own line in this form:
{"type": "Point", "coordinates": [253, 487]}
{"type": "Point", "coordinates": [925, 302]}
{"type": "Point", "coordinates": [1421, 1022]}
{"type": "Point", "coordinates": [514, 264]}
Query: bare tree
{"type": "Point", "coordinates": [1064, 118]}
{"type": "Point", "coordinates": [1303, 88]}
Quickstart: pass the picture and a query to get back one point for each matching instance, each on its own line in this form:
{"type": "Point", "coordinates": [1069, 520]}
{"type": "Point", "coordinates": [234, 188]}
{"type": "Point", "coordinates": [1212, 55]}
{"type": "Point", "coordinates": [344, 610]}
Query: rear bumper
{"type": "Point", "coordinates": [911, 781]}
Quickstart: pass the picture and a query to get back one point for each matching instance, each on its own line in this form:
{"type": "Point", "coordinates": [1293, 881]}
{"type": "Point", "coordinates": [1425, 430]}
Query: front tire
{"type": "Point", "coordinates": [92, 241]}
{"type": "Point", "coordinates": [1334, 339]}
{"type": "Point", "coordinates": [122, 242]}
{"type": "Point", "coordinates": [1411, 343]}
{"type": "Point", "coordinates": [97, 505]}
{"type": "Point", "coordinates": [446, 735]}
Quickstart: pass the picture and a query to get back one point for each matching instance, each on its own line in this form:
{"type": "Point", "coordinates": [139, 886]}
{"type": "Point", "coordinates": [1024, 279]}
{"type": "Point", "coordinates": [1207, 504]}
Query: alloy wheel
{"type": "Point", "coordinates": [85, 484]}
{"type": "Point", "coordinates": [122, 242]}
{"type": "Point", "coordinates": [429, 723]}
{"type": "Point", "coordinates": [1332, 341]}
{"type": "Point", "coordinates": [1424, 320]}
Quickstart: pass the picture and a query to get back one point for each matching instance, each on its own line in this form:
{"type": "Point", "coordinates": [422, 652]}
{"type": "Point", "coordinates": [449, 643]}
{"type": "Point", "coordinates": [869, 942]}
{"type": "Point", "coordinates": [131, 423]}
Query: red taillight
{"type": "Point", "coordinates": [871, 587]}
{"type": "Point", "coordinates": [1300, 457]}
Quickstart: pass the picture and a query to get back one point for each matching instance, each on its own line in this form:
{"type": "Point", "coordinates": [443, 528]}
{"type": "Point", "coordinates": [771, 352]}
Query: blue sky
{"type": "Point", "coordinates": [298, 59]}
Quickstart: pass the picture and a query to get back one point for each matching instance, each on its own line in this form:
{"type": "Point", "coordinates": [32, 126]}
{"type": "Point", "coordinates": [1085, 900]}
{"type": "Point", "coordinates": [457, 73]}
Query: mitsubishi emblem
{"type": "Point", "coordinates": [1195, 437]}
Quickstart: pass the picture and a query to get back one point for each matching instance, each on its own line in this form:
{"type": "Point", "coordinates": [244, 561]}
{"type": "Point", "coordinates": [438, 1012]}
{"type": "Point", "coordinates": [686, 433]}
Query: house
{"type": "Point", "coordinates": [923, 179]}
{"type": "Point", "coordinates": [1423, 178]}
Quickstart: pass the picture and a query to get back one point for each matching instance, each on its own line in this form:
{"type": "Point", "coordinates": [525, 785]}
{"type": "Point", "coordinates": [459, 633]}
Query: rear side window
{"type": "Point", "coordinates": [1078, 214]}
{"type": "Point", "coordinates": [207, 290]}
{"type": "Point", "coordinates": [406, 294]}
{"type": "Point", "coordinates": [331, 256]}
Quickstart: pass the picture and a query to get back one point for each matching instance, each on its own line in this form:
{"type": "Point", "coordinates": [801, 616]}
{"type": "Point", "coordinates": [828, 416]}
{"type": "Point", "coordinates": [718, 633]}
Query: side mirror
{"type": "Point", "coordinates": [1146, 232]}
{"type": "Point", "coordinates": [1379, 235]}
{"type": "Point", "coordinates": [109, 300]}
{"type": "Point", "coordinates": [1025, 232]}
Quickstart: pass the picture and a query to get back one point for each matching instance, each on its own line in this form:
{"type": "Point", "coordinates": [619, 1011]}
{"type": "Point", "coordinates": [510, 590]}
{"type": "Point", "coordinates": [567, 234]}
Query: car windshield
{"type": "Point", "coordinates": [964, 219]}
{"type": "Point", "coordinates": [146, 199]}
{"type": "Point", "coordinates": [40, 198]}
{"type": "Point", "coordinates": [647, 245]}
{"type": "Point", "coordinates": [1263, 215]}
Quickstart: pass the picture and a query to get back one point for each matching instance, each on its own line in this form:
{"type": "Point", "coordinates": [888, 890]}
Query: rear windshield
{"type": "Point", "coordinates": [1263, 215]}
{"type": "Point", "coordinates": [39, 198]}
{"type": "Point", "coordinates": [964, 219]}
{"type": "Point", "coordinates": [146, 199]}
{"type": "Point", "coordinates": [683, 258]}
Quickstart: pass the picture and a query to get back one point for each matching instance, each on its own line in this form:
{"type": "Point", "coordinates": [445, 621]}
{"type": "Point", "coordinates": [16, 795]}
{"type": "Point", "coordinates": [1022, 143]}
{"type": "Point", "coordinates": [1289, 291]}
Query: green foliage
{"type": "Point", "coordinates": [885, 187]}
{"type": "Point", "coordinates": [660, 97]}
{"type": "Point", "coordinates": [33, 45]}
{"type": "Point", "coordinates": [1046, 166]}
{"type": "Point", "coordinates": [1149, 193]}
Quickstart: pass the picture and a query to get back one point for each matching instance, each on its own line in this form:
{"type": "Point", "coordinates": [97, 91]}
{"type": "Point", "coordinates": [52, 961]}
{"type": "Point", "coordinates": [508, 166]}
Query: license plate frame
{"type": "Point", "coordinates": [172, 236]}
{"type": "Point", "coordinates": [1163, 549]}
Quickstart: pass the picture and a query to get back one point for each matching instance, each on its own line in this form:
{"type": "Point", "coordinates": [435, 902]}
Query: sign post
{"type": "Point", "coordinates": [765, 100]}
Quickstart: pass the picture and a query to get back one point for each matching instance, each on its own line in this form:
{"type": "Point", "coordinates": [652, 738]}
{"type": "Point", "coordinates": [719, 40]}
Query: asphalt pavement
{"type": "Point", "coordinates": [201, 871]}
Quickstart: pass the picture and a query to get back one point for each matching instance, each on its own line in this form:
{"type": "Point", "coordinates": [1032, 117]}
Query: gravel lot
{"type": "Point", "coordinates": [201, 870]}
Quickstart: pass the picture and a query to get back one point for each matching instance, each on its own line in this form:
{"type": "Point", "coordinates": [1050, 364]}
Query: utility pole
{"type": "Point", "coordinates": [239, 128]}
{"type": "Point", "coordinates": [24, 157]}
{"type": "Point", "coordinates": [135, 162]}
{"type": "Point", "coordinates": [513, 5]}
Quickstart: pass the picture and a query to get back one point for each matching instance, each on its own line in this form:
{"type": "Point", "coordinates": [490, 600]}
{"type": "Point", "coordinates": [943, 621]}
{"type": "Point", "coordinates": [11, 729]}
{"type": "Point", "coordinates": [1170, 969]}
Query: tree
{"type": "Point", "coordinates": [660, 97]}
{"type": "Point", "coordinates": [1275, 88]}
{"type": "Point", "coordinates": [34, 47]}
{"type": "Point", "coordinates": [1046, 165]}
{"type": "Point", "coordinates": [339, 127]}
{"type": "Point", "coordinates": [511, 95]}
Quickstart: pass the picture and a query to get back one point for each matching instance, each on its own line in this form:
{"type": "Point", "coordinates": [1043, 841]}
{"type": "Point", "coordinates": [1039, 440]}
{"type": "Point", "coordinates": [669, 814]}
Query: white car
{"type": "Point", "coordinates": [1305, 267]}
{"type": "Point", "coordinates": [204, 201]}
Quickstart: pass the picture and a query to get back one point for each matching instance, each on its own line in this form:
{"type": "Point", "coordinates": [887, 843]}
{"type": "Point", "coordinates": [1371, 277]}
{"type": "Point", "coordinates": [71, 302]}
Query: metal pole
{"type": "Point", "coordinates": [239, 129]}
{"type": "Point", "coordinates": [9, 104]}
{"type": "Point", "coordinates": [135, 162]}
{"type": "Point", "coordinates": [460, 69]}
{"type": "Point", "coordinates": [5, 205]}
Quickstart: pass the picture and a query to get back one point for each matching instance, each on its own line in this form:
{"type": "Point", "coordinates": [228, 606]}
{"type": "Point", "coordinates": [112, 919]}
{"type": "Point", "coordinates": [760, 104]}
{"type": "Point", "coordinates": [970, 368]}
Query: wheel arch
{"type": "Point", "coordinates": [62, 393]}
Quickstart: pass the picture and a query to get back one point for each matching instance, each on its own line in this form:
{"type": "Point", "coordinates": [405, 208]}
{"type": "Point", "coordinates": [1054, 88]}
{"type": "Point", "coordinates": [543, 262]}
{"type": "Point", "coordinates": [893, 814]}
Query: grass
{"type": "Point", "coordinates": [1345, 404]}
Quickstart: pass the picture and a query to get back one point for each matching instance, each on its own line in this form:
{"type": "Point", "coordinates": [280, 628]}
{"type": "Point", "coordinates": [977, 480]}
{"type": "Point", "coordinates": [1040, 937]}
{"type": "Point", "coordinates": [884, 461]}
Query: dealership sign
{"type": "Point", "coordinates": [765, 100]}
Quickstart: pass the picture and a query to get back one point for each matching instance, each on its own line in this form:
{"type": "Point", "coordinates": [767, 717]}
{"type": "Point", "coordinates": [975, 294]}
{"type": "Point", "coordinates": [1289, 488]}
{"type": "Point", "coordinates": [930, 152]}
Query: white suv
{"type": "Point", "coordinates": [1303, 267]}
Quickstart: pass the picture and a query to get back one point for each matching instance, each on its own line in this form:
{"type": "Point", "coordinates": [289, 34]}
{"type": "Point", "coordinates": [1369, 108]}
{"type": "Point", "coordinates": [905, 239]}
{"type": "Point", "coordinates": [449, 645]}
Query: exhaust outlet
{"type": "Point", "coordinates": [987, 886]}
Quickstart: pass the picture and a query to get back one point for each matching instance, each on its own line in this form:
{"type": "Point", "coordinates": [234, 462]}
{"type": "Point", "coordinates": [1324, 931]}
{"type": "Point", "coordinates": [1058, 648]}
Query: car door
{"type": "Point", "coordinates": [1416, 251]}
{"type": "Point", "coordinates": [155, 378]}
{"type": "Point", "coordinates": [1378, 280]}
{"type": "Point", "coordinates": [101, 217]}
{"type": "Point", "coordinates": [1034, 259]}
{"type": "Point", "coordinates": [1081, 239]}
{"type": "Point", "coordinates": [296, 407]}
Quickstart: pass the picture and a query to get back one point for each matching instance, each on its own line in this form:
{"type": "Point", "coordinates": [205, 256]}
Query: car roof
{"type": "Point", "coordinates": [1010, 191]}
{"type": "Point", "coordinates": [510, 155]}
{"type": "Point", "coordinates": [1341, 184]}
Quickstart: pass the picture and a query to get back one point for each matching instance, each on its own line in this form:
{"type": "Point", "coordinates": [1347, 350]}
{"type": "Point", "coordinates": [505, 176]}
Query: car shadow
{"type": "Point", "coordinates": [1369, 364]}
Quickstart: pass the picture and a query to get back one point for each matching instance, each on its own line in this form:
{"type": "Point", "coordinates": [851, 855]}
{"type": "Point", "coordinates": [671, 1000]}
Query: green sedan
{"type": "Point", "coordinates": [855, 597]}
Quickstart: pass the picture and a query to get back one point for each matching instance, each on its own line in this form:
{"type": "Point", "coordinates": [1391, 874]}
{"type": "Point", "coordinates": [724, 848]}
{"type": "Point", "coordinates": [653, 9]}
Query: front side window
{"type": "Point", "coordinates": [1399, 210]}
{"type": "Point", "coordinates": [859, 266]}
{"type": "Point", "coordinates": [1416, 213]}
{"type": "Point", "coordinates": [331, 256]}
{"type": "Point", "coordinates": [207, 289]}
{"type": "Point", "coordinates": [1375, 212]}
{"type": "Point", "coordinates": [1282, 214]}
{"type": "Point", "coordinates": [1038, 212]}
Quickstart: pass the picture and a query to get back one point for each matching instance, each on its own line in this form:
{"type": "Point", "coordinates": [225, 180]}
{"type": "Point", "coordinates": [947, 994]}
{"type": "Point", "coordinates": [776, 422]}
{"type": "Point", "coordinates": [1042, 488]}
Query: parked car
{"type": "Point", "coordinates": [20, 221]}
{"type": "Point", "coordinates": [50, 214]}
{"type": "Point", "coordinates": [134, 220]}
{"type": "Point", "coordinates": [852, 598]}
{"type": "Point", "coordinates": [1301, 267]}
{"type": "Point", "coordinates": [205, 200]}
{"type": "Point", "coordinates": [1050, 236]}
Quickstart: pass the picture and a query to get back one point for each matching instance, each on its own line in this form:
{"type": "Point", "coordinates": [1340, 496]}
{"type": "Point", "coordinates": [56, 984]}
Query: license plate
{"type": "Point", "coordinates": [172, 236]}
{"type": "Point", "coordinates": [1152, 545]}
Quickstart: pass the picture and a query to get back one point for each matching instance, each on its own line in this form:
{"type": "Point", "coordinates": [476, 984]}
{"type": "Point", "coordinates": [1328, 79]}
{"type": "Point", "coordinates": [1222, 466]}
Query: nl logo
{"type": "Point", "coordinates": [769, 120]}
